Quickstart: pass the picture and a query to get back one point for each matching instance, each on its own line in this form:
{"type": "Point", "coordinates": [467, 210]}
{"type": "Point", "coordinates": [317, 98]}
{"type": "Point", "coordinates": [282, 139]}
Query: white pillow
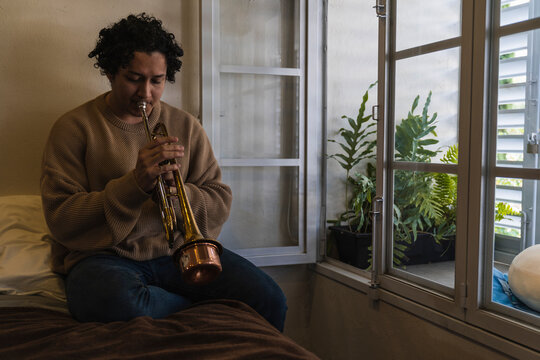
{"type": "Point", "coordinates": [25, 249]}
{"type": "Point", "coordinates": [524, 276]}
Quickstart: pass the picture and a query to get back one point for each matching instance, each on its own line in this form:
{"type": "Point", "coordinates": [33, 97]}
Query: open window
{"type": "Point", "coordinates": [512, 126]}
{"type": "Point", "coordinates": [258, 94]}
{"type": "Point", "coordinates": [483, 140]}
{"type": "Point", "coordinates": [457, 158]}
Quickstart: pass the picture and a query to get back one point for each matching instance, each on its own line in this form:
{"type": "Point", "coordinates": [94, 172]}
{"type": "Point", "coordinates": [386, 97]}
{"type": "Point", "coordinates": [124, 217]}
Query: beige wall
{"type": "Point", "coordinates": [45, 70]}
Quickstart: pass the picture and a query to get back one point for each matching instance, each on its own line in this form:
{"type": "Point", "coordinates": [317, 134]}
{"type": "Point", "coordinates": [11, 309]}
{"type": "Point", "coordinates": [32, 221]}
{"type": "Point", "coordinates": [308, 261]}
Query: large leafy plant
{"type": "Point", "coordinates": [357, 145]}
{"type": "Point", "coordinates": [417, 207]}
{"type": "Point", "coordinates": [425, 201]}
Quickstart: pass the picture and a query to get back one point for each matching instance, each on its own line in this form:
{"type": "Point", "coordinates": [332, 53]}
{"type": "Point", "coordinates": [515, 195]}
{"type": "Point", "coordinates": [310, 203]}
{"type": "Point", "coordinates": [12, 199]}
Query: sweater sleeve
{"type": "Point", "coordinates": [79, 218]}
{"type": "Point", "coordinates": [209, 198]}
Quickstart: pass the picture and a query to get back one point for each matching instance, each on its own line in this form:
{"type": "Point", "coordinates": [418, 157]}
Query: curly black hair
{"type": "Point", "coordinates": [144, 33]}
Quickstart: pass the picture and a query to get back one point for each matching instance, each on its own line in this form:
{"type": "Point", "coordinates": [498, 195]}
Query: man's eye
{"type": "Point", "coordinates": [131, 79]}
{"type": "Point", "coordinates": [157, 81]}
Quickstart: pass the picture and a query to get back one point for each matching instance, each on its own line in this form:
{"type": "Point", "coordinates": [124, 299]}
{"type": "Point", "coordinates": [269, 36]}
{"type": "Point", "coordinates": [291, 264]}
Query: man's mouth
{"type": "Point", "coordinates": [137, 104]}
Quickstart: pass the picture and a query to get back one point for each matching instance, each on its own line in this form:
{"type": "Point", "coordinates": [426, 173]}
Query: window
{"type": "Point", "coordinates": [517, 133]}
{"type": "Point", "coordinates": [423, 156]}
{"type": "Point", "coordinates": [255, 107]}
{"type": "Point", "coordinates": [513, 159]}
{"type": "Point", "coordinates": [457, 158]}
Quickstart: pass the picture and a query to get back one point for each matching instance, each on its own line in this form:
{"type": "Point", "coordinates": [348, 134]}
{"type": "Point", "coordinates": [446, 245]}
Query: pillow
{"type": "Point", "coordinates": [25, 249]}
{"type": "Point", "coordinates": [524, 276]}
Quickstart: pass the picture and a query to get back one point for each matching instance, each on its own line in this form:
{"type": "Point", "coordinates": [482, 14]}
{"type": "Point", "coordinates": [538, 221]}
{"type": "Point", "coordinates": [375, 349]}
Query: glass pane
{"type": "Point", "coordinates": [264, 210]}
{"type": "Point", "coordinates": [518, 123]}
{"type": "Point", "coordinates": [515, 230]}
{"type": "Point", "coordinates": [352, 40]}
{"type": "Point", "coordinates": [423, 22]}
{"type": "Point", "coordinates": [259, 116]}
{"type": "Point", "coordinates": [513, 11]}
{"type": "Point", "coordinates": [425, 224]}
{"type": "Point", "coordinates": [260, 33]}
{"type": "Point", "coordinates": [429, 82]}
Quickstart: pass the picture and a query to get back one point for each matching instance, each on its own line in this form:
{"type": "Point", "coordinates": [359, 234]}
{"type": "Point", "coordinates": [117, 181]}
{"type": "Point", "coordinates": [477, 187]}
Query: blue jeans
{"type": "Point", "coordinates": [108, 288]}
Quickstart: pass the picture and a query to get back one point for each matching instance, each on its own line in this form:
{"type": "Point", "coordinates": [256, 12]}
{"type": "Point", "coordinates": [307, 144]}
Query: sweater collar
{"type": "Point", "coordinates": [107, 112]}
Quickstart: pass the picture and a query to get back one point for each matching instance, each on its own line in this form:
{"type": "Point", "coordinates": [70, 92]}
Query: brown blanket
{"type": "Point", "coordinates": [213, 330]}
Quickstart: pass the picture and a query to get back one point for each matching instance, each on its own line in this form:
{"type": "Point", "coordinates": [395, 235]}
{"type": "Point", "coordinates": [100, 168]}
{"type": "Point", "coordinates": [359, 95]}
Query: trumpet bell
{"type": "Point", "coordinates": [199, 261]}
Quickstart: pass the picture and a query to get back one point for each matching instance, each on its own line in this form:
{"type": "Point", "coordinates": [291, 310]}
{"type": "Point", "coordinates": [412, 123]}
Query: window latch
{"type": "Point", "coordinates": [380, 9]}
{"type": "Point", "coordinates": [375, 112]}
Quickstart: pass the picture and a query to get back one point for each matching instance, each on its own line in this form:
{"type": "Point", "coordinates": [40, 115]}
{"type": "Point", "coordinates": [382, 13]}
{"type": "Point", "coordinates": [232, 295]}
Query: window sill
{"type": "Point", "coordinates": [345, 274]}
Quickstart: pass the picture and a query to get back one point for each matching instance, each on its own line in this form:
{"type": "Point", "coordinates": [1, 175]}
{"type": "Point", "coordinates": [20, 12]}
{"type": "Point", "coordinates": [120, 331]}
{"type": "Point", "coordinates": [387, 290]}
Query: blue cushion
{"type": "Point", "coordinates": [502, 293]}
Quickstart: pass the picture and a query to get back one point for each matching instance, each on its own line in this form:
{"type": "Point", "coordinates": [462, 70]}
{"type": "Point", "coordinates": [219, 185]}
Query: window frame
{"type": "Point", "coordinates": [482, 312]}
{"type": "Point", "coordinates": [447, 301]}
{"type": "Point", "coordinates": [310, 132]}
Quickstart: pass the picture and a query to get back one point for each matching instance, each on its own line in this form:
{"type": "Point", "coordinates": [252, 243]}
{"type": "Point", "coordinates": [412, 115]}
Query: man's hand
{"type": "Point", "coordinates": [151, 155]}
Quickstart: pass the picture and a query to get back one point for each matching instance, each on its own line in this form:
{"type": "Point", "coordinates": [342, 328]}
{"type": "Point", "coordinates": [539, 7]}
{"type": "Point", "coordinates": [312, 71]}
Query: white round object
{"type": "Point", "coordinates": [524, 277]}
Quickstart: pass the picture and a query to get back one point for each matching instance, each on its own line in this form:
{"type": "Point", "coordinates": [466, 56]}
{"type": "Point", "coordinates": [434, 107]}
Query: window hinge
{"type": "Point", "coordinates": [373, 294]}
{"type": "Point", "coordinates": [462, 301]}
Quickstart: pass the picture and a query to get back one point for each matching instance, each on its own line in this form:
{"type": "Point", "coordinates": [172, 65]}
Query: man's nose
{"type": "Point", "coordinates": [144, 90]}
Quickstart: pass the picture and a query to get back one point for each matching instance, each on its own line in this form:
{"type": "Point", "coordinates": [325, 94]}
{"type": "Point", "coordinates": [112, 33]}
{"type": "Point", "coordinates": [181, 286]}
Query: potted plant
{"type": "Point", "coordinates": [424, 202]}
{"type": "Point", "coordinates": [351, 231]}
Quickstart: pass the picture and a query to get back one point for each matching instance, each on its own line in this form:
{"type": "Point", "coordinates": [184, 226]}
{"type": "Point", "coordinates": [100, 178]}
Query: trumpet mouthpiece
{"type": "Point", "coordinates": [142, 104]}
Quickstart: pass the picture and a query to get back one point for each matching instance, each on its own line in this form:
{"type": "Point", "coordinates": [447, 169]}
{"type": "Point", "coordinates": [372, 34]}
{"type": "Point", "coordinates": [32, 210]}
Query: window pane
{"type": "Point", "coordinates": [259, 116]}
{"type": "Point", "coordinates": [513, 11]}
{"type": "Point", "coordinates": [425, 224]}
{"type": "Point", "coordinates": [434, 79]}
{"type": "Point", "coordinates": [260, 33]}
{"type": "Point", "coordinates": [515, 217]}
{"type": "Point", "coordinates": [424, 22]}
{"type": "Point", "coordinates": [352, 40]}
{"type": "Point", "coordinates": [264, 211]}
{"type": "Point", "coordinates": [517, 103]}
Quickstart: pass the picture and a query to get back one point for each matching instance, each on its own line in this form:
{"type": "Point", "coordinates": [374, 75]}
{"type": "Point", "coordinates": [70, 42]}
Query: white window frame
{"type": "Point", "coordinates": [310, 79]}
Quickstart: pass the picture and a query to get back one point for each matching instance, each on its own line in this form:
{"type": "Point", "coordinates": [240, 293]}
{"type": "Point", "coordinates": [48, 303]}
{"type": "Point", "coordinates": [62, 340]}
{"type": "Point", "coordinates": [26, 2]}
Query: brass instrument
{"type": "Point", "coordinates": [198, 257]}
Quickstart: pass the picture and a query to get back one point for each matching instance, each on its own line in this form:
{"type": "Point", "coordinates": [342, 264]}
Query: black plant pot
{"type": "Point", "coordinates": [352, 246]}
{"type": "Point", "coordinates": [426, 250]}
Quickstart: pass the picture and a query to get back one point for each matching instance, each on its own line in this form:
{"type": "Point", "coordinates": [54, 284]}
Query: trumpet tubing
{"type": "Point", "coordinates": [198, 257]}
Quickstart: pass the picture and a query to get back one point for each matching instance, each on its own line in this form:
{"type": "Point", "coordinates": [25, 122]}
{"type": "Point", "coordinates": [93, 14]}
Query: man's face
{"type": "Point", "coordinates": [142, 80]}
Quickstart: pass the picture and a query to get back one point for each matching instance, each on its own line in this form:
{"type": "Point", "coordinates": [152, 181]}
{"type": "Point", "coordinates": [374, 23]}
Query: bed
{"type": "Point", "coordinates": [35, 322]}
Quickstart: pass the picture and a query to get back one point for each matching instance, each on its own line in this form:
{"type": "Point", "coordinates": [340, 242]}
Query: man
{"type": "Point", "coordinates": [98, 177]}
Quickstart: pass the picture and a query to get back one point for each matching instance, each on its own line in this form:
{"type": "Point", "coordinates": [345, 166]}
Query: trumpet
{"type": "Point", "coordinates": [198, 257]}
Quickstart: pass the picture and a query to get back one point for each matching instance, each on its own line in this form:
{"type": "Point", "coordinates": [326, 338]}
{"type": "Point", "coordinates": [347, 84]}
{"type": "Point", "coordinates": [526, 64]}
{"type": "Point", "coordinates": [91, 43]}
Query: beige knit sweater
{"type": "Point", "coordinates": [91, 200]}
